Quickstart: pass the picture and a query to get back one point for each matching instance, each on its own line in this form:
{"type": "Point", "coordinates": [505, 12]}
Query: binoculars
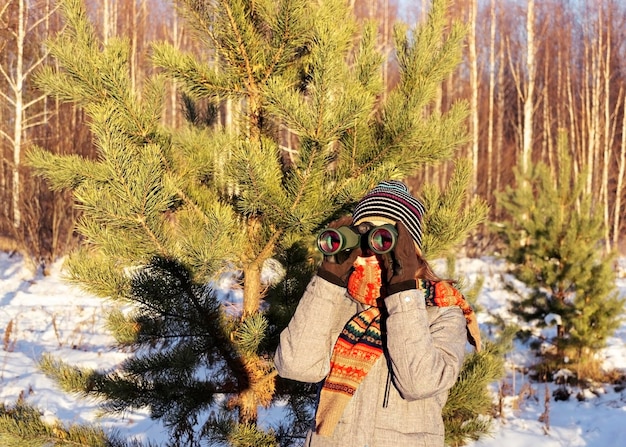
{"type": "Point", "coordinates": [379, 239]}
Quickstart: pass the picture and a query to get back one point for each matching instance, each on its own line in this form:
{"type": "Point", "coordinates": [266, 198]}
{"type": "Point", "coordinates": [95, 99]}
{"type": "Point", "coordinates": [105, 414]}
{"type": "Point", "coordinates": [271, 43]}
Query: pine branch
{"type": "Point", "coordinates": [21, 425]}
{"type": "Point", "coordinates": [159, 275]}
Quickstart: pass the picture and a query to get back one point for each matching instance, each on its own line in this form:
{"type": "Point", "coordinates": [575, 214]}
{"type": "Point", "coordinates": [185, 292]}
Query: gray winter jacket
{"type": "Point", "coordinates": [425, 347]}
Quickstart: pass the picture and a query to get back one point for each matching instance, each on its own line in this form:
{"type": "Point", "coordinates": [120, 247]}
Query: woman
{"type": "Point", "coordinates": [382, 334]}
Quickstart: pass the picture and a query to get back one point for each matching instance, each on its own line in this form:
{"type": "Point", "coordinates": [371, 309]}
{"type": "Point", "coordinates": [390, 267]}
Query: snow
{"type": "Point", "coordinates": [47, 315]}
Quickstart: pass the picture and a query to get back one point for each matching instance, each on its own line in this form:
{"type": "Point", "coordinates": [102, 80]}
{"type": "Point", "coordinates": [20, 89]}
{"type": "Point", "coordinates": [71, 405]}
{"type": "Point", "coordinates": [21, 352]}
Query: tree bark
{"type": "Point", "coordinates": [473, 62]}
{"type": "Point", "coordinates": [621, 169]}
{"type": "Point", "coordinates": [529, 92]}
{"type": "Point", "coordinates": [491, 99]}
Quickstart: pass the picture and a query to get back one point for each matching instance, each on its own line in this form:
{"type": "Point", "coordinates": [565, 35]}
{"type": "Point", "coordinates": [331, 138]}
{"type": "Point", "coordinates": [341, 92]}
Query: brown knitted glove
{"type": "Point", "coordinates": [337, 268]}
{"type": "Point", "coordinates": [401, 264]}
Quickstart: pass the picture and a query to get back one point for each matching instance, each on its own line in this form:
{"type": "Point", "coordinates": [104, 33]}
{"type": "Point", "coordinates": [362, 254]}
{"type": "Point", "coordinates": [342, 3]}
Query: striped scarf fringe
{"type": "Point", "coordinates": [358, 347]}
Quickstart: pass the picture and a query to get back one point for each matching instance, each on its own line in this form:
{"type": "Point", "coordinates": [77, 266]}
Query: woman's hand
{"type": "Point", "coordinates": [337, 268]}
{"type": "Point", "coordinates": [401, 264]}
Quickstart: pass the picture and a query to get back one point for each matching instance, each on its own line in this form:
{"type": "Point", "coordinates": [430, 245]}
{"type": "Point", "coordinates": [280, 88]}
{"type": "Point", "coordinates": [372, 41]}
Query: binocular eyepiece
{"type": "Point", "coordinates": [379, 239]}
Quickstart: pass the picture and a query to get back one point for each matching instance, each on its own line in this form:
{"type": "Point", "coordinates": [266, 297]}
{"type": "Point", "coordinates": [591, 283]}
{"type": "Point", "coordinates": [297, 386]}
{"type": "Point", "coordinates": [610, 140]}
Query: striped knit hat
{"type": "Point", "coordinates": [392, 200]}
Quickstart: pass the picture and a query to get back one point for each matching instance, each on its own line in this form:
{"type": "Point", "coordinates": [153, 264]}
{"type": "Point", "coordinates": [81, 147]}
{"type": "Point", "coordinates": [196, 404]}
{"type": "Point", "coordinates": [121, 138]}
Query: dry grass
{"type": "Point", "coordinates": [46, 229]}
{"type": "Point", "coordinates": [545, 416]}
{"type": "Point", "coordinates": [83, 323]}
{"type": "Point", "coordinates": [8, 339]}
{"type": "Point", "coordinates": [8, 245]}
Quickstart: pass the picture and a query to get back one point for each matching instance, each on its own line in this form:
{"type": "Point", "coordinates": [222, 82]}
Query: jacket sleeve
{"type": "Point", "coordinates": [306, 344]}
{"type": "Point", "coordinates": [426, 357]}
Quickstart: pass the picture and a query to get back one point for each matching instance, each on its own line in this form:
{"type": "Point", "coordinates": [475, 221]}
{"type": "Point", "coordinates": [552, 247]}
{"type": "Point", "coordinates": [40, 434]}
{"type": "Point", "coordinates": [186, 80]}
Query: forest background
{"type": "Point", "coordinates": [530, 69]}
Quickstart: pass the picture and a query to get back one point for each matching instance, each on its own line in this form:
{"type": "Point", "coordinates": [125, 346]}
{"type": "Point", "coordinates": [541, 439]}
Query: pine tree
{"type": "Point", "coordinates": [466, 414]}
{"type": "Point", "coordinates": [166, 211]}
{"type": "Point", "coordinates": [22, 425]}
{"type": "Point", "coordinates": [553, 240]}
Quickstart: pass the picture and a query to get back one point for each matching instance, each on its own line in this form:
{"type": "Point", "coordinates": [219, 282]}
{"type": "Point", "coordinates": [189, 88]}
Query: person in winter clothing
{"type": "Point", "coordinates": [383, 336]}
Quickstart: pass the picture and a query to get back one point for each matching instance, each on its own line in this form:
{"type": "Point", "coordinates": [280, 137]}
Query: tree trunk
{"type": "Point", "coordinates": [18, 90]}
{"type": "Point", "coordinates": [621, 165]}
{"type": "Point", "coordinates": [529, 91]}
{"type": "Point", "coordinates": [491, 98]}
{"type": "Point", "coordinates": [473, 62]}
{"type": "Point", "coordinates": [251, 288]}
{"type": "Point", "coordinates": [608, 137]}
{"type": "Point", "coordinates": [547, 140]}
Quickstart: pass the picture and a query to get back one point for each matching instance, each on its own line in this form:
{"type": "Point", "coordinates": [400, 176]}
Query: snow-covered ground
{"type": "Point", "coordinates": [46, 315]}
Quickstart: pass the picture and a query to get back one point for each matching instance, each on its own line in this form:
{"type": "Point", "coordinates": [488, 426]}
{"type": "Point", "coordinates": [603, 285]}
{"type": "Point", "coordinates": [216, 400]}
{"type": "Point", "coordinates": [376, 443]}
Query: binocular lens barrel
{"type": "Point", "coordinates": [330, 241]}
{"type": "Point", "coordinates": [379, 240]}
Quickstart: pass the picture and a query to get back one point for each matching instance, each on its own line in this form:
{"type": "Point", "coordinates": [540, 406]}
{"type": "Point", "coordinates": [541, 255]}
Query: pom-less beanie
{"type": "Point", "coordinates": [392, 200]}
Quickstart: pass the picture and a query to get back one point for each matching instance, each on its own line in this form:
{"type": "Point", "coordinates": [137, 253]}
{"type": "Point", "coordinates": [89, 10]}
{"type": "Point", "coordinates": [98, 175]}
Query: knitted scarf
{"type": "Point", "coordinates": [442, 294]}
{"type": "Point", "coordinates": [358, 347]}
{"type": "Point", "coordinates": [359, 344]}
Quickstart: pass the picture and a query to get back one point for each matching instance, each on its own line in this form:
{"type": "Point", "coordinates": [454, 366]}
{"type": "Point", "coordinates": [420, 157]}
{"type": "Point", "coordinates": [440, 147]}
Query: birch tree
{"type": "Point", "coordinates": [491, 97]}
{"type": "Point", "coordinates": [621, 171]}
{"type": "Point", "coordinates": [473, 69]}
{"type": "Point", "coordinates": [24, 115]}
{"type": "Point", "coordinates": [529, 91]}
